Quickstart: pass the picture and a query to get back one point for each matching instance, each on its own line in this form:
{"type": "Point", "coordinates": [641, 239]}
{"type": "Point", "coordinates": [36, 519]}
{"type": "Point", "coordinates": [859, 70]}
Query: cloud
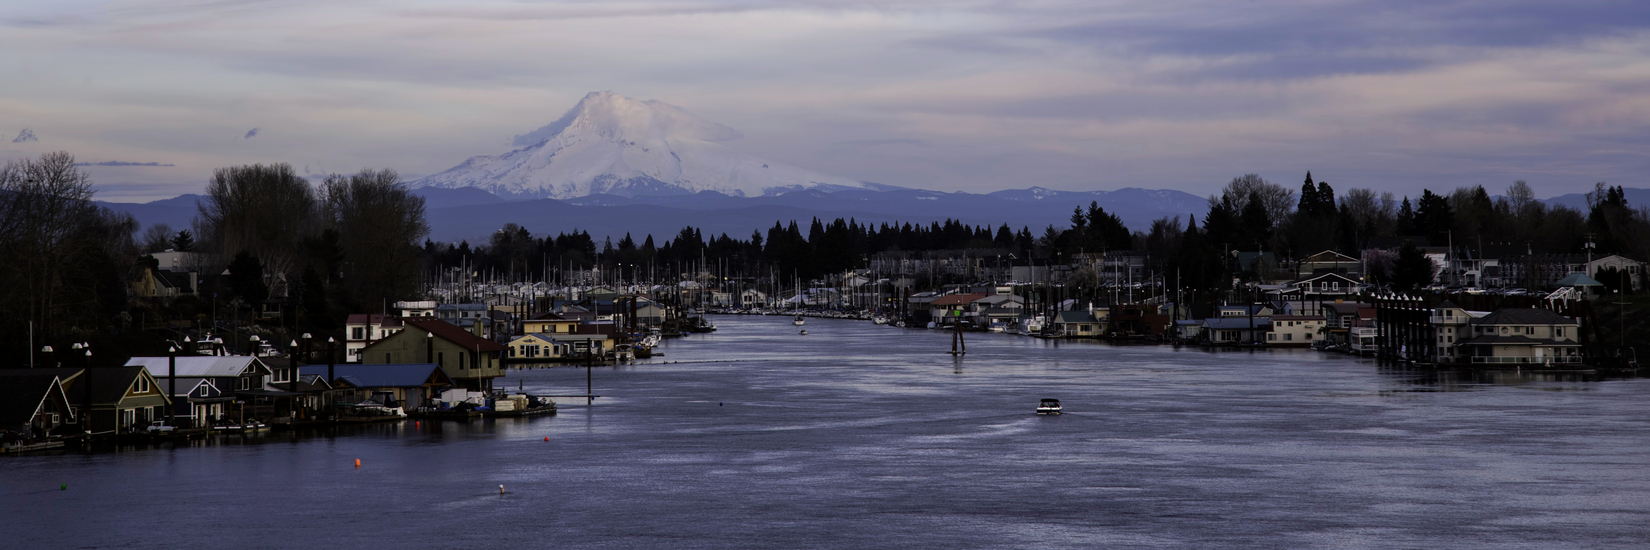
{"type": "Point", "coordinates": [973, 94]}
{"type": "Point", "coordinates": [24, 136]}
{"type": "Point", "coordinates": [121, 163]}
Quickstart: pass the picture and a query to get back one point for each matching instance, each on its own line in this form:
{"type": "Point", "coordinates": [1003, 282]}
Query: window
{"type": "Point", "coordinates": [205, 391]}
{"type": "Point", "coordinates": [461, 361]}
{"type": "Point", "coordinates": [386, 357]}
{"type": "Point", "coordinates": [1529, 330]}
{"type": "Point", "coordinates": [1558, 332]}
{"type": "Point", "coordinates": [243, 383]}
{"type": "Point", "coordinates": [441, 358]}
{"type": "Point", "coordinates": [141, 386]}
{"type": "Point", "coordinates": [358, 333]}
{"type": "Point", "coordinates": [1271, 336]}
{"type": "Point", "coordinates": [1288, 336]}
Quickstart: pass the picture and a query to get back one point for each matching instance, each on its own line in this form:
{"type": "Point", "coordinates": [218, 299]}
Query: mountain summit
{"type": "Point", "coordinates": [611, 144]}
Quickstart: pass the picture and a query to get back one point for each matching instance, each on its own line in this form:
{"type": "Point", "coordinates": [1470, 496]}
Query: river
{"type": "Point", "coordinates": [858, 435]}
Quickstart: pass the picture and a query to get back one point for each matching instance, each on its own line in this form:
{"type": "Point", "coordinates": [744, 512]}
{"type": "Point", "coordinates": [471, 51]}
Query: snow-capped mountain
{"type": "Point", "coordinates": [615, 145]}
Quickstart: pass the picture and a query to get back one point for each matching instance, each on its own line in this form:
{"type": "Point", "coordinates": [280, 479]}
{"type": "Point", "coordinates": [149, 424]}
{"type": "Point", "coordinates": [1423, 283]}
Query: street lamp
{"type": "Point", "coordinates": [253, 343]}
{"type": "Point", "coordinates": [171, 385]}
{"type": "Point", "coordinates": [292, 364]}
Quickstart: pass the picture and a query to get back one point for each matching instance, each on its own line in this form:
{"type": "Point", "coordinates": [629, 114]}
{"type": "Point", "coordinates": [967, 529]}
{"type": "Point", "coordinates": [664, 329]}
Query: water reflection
{"type": "Point", "coordinates": [860, 435]}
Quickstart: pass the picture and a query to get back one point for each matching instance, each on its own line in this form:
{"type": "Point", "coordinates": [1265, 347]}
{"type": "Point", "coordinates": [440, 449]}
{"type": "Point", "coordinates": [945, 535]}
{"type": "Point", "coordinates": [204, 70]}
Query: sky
{"type": "Point", "coordinates": [954, 95]}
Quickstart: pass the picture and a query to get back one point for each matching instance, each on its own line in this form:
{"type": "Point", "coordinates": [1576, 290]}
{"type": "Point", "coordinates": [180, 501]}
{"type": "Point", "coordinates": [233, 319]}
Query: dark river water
{"type": "Point", "coordinates": [869, 436]}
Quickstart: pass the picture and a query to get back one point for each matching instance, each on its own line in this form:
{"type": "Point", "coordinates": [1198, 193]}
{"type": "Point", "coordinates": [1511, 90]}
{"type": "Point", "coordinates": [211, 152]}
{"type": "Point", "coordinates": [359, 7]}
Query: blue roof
{"type": "Point", "coordinates": [404, 375]}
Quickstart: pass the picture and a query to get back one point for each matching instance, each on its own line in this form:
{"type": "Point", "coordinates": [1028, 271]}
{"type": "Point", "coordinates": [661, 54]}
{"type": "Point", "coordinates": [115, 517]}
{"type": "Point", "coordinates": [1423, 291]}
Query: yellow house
{"type": "Point", "coordinates": [1295, 330]}
{"type": "Point", "coordinates": [549, 323]}
{"type": "Point", "coordinates": [470, 361]}
{"type": "Point", "coordinates": [535, 347]}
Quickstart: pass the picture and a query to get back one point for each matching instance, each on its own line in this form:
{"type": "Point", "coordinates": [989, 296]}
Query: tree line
{"type": "Point", "coordinates": [352, 243]}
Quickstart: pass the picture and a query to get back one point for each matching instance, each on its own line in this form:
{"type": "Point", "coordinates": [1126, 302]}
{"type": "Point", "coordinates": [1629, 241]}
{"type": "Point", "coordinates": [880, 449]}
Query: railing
{"type": "Point", "coordinates": [1563, 360]}
{"type": "Point", "coordinates": [1437, 320]}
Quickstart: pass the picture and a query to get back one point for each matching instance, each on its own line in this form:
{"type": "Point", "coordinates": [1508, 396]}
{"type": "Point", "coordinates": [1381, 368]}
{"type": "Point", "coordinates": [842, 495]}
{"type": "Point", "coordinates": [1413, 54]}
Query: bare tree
{"type": "Point", "coordinates": [69, 258]}
{"type": "Point", "coordinates": [157, 238]}
{"type": "Point", "coordinates": [381, 224]}
{"type": "Point", "coordinates": [1278, 200]}
{"type": "Point", "coordinates": [265, 211]}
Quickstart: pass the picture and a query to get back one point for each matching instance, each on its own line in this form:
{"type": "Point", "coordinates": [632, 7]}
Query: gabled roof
{"type": "Point", "coordinates": [1524, 316]}
{"type": "Point", "coordinates": [223, 366]}
{"type": "Point", "coordinates": [451, 333]}
{"type": "Point", "coordinates": [1075, 317]}
{"type": "Point", "coordinates": [549, 316]}
{"type": "Point", "coordinates": [1000, 298]}
{"type": "Point", "coordinates": [539, 335]}
{"type": "Point", "coordinates": [186, 386]}
{"type": "Point", "coordinates": [957, 299]}
{"type": "Point", "coordinates": [108, 384]}
{"type": "Point", "coordinates": [1446, 304]}
{"type": "Point", "coordinates": [66, 374]}
{"type": "Point", "coordinates": [401, 375]}
{"type": "Point", "coordinates": [1325, 276]}
{"type": "Point", "coordinates": [1578, 279]}
{"type": "Point", "coordinates": [22, 393]}
{"type": "Point", "coordinates": [1330, 256]}
{"type": "Point", "coordinates": [170, 279]}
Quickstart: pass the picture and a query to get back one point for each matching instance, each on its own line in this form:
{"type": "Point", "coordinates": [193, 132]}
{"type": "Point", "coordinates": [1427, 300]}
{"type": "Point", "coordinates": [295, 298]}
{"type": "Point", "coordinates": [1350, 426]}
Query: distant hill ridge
{"type": "Point", "coordinates": [468, 213]}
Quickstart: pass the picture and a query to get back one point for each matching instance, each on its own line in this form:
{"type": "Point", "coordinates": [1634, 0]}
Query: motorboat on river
{"type": "Point", "coordinates": [1049, 406]}
{"type": "Point", "coordinates": [798, 321]}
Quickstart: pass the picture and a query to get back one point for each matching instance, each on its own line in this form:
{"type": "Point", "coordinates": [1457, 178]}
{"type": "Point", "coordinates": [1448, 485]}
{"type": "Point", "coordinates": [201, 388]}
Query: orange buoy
{"type": "Point", "coordinates": [418, 423]}
{"type": "Point", "coordinates": [357, 463]}
{"type": "Point", "coordinates": [547, 438]}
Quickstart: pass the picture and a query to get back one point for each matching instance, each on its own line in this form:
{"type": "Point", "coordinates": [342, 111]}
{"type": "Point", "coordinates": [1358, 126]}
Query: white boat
{"type": "Point", "coordinates": [880, 320]}
{"type": "Point", "coordinates": [804, 332]}
{"type": "Point", "coordinates": [1049, 406]}
{"type": "Point", "coordinates": [997, 326]}
{"type": "Point", "coordinates": [797, 321]}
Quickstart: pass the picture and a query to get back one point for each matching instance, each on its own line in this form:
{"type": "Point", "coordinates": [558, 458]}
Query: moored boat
{"type": "Point", "coordinates": [1049, 407]}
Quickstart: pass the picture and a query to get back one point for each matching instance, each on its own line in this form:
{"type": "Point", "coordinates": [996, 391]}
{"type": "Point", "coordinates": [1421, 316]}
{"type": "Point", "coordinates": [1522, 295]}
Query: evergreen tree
{"type": "Point", "coordinates": [1309, 197]}
{"type": "Point", "coordinates": [1406, 219]}
{"type": "Point", "coordinates": [184, 242]}
{"type": "Point", "coordinates": [1257, 227]}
